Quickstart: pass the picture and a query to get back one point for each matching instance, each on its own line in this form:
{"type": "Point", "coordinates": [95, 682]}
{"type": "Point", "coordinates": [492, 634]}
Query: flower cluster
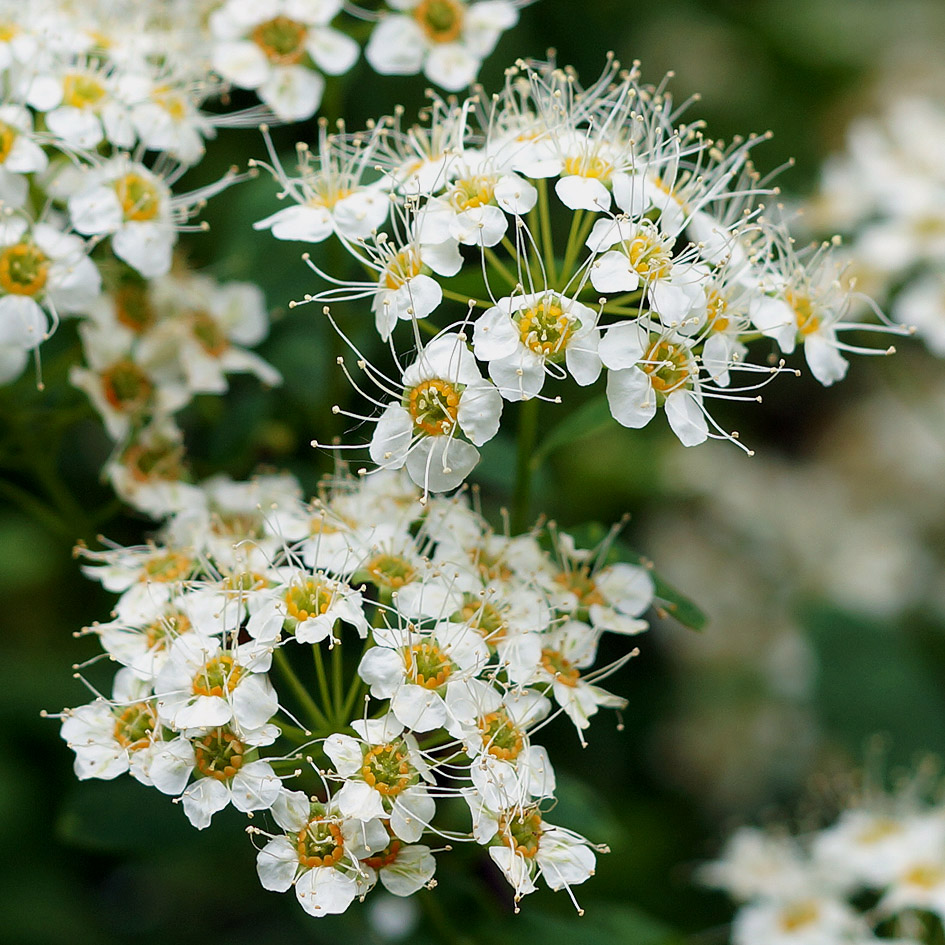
{"type": "Point", "coordinates": [875, 875]}
{"type": "Point", "coordinates": [655, 262]}
{"type": "Point", "coordinates": [887, 191]}
{"type": "Point", "coordinates": [350, 665]}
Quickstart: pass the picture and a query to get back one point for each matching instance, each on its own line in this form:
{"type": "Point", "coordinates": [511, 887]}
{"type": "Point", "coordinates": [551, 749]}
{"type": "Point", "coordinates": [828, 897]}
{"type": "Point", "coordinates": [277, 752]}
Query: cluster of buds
{"type": "Point", "coordinates": [654, 261]}
{"type": "Point", "coordinates": [875, 875]}
{"type": "Point", "coordinates": [350, 665]}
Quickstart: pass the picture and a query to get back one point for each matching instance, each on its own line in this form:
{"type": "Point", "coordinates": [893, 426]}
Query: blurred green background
{"type": "Point", "coordinates": [718, 731]}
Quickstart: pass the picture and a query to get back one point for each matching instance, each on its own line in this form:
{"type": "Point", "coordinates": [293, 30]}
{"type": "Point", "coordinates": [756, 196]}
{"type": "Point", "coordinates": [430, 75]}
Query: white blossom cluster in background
{"type": "Point", "coordinates": [654, 262]}
{"type": "Point", "coordinates": [103, 112]}
{"type": "Point", "coordinates": [349, 666]}
{"type": "Point", "coordinates": [886, 192]}
{"type": "Point", "coordinates": [877, 874]}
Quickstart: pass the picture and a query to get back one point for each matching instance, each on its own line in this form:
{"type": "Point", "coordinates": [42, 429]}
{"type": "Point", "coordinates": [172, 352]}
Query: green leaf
{"type": "Point", "coordinates": [591, 417]}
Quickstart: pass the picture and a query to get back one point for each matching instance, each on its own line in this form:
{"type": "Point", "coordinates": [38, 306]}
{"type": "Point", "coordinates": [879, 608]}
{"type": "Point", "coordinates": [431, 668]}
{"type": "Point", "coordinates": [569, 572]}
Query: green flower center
{"type": "Point", "coordinates": [126, 386]}
{"type": "Point", "coordinates": [522, 833]}
{"type": "Point", "coordinates": [133, 307]}
{"type": "Point", "coordinates": [390, 571]}
{"type": "Point", "coordinates": [139, 197]}
{"type": "Point", "coordinates": [320, 843]}
{"type": "Point", "coordinates": [24, 269]}
{"type": "Point", "coordinates": [208, 333]}
{"type": "Point", "coordinates": [134, 725]}
{"type": "Point", "coordinates": [441, 20]}
{"type": "Point", "coordinates": [387, 768]}
{"type": "Point", "coordinates": [281, 39]}
{"type": "Point", "coordinates": [217, 677]}
{"type": "Point", "coordinates": [219, 755]}
{"type": "Point", "coordinates": [501, 737]}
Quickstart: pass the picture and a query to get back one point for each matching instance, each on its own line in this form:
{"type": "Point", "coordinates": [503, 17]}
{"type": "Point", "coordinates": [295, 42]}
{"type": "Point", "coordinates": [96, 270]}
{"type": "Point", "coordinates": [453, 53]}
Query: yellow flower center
{"type": "Point", "coordinates": [24, 269]}
{"type": "Point", "coordinates": [172, 566]}
{"type": "Point", "coordinates": [546, 329]}
{"type": "Point", "coordinates": [281, 39]}
{"type": "Point", "coordinates": [556, 664]}
{"type": "Point", "coordinates": [377, 861]}
{"type": "Point", "coordinates": [472, 192]}
{"type": "Point", "coordinates": [217, 677]}
{"type": "Point", "coordinates": [482, 617]}
{"type": "Point", "coordinates": [210, 336]}
{"type": "Point", "coordinates": [427, 665]}
{"type": "Point", "coordinates": [803, 306]}
{"type": "Point", "coordinates": [589, 165]}
{"type": "Point", "coordinates": [582, 585]}
{"type": "Point", "coordinates": [309, 599]}
{"type": "Point", "coordinates": [716, 308]}
{"type": "Point", "coordinates": [171, 101]}
{"type": "Point", "coordinates": [320, 843]}
{"type": "Point", "coordinates": [878, 830]}
{"type": "Point", "coordinates": [139, 198]}
{"type": "Point", "coordinates": [161, 633]}
{"type": "Point", "coordinates": [7, 138]}
{"type": "Point", "coordinates": [441, 20]}
{"type": "Point", "coordinates": [82, 91]}
{"type": "Point", "coordinates": [649, 254]}
{"type": "Point", "coordinates": [668, 365]}
{"type": "Point", "coordinates": [390, 571]}
{"type": "Point", "coordinates": [8, 31]}
{"type": "Point", "coordinates": [433, 406]}
{"type": "Point", "coordinates": [798, 915]}
{"type": "Point", "coordinates": [219, 755]}
{"type": "Point", "coordinates": [925, 875]}
{"type": "Point", "coordinates": [404, 265]}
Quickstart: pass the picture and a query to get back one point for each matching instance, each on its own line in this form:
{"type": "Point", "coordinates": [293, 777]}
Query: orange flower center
{"type": "Point", "coordinates": [219, 755]}
{"type": "Point", "coordinates": [427, 665]}
{"type": "Point", "coordinates": [320, 843]}
{"type": "Point", "coordinates": [217, 677]}
{"type": "Point", "coordinates": [564, 671]}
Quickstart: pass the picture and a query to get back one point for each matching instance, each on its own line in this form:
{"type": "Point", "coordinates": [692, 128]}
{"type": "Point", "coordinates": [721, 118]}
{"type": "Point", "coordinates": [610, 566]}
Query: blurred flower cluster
{"type": "Point", "coordinates": [350, 666]}
{"type": "Point", "coordinates": [877, 874]}
{"type": "Point", "coordinates": [886, 191]}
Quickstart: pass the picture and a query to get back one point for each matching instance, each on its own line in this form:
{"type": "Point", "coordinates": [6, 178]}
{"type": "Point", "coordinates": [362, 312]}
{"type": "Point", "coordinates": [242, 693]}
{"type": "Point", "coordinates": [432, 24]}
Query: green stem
{"type": "Point", "coordinates": [500, 267]}
{"type": "Point", "coordinates": [301, 693]}
{"type": "Point", "coordinates": [337, 683]}
{"type": "Point", "coordinates": [527, 435]}
{"type": "Point", "coordinates": [293, 732]}
{"type": "Point", "coordinates": [323, 689]}
{"type": "Point", "coordinates": [547, 244]}
{"type": "Point", "coordinates": [466, 299]}
{"type": "Point", "coordinates": [571, 250]}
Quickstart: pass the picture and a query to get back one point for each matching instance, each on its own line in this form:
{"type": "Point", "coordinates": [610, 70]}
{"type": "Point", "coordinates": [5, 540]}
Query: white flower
{"type": "Point", "coordinates": [112, 737]}
{"type": "Point", "coordinates": [202, 685]}
{"type": "Point", "coordinates": [319, 854]}
{"type": "Point", "coordinates": [447, 39]}
{"type": "Point", "coordinates": [444, 395]}
{"type": "Point", "coordinates": [270, 47]}
{"type": "Point", "coordinates": [647, 371]}
{"type": "Point", "coordinates": [424, 674]}
{"type": "Point", "coordinates": [223, 775]}
{"type": "Point", "coordinates": [525, 846]}
{"type": "Point", "coordinates": [525, 337]}
{"type": "Point", "coordinates": [383, 776]}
